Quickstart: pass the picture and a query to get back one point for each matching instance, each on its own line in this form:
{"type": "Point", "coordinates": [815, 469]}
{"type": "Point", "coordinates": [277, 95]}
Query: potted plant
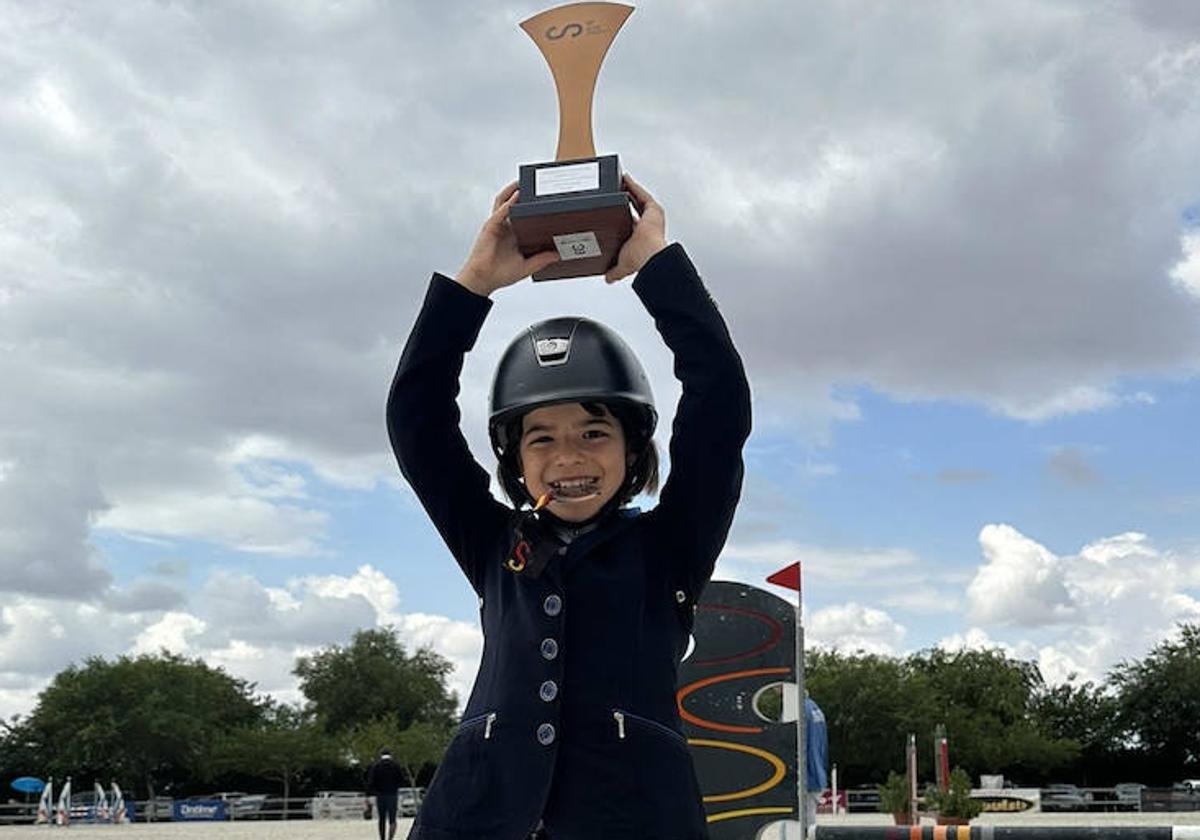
{"type": "Point", "coordinates": [894, 798]}
{"type": "Point", "coordinates": [954, 805]}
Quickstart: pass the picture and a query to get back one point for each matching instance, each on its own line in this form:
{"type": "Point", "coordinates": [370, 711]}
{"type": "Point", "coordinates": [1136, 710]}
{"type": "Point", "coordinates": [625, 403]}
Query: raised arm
{"type": "Point", "coordinates": [422, 412]}
{"type": "Point", "coordinates": [712, 420]}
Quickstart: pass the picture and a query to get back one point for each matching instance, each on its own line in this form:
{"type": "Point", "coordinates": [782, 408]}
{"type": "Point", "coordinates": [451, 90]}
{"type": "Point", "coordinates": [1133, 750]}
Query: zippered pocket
{"type": "Point", "coordinates": [487, 721]}
{"type": "Point", "coordinates": [624, 720]}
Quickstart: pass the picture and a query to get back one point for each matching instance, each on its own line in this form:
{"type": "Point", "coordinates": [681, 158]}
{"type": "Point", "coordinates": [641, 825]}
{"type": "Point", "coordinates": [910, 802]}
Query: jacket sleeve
{"type": "Point", "coordinates": [423, 425]}
{"type": "Point", "coordinates": [712, 420]}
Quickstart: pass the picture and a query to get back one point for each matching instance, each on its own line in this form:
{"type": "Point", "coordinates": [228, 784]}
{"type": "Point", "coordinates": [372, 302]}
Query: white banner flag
{"type": "Point", "coordinates": [63, 816]}
{"type": "Point", "coordinates": [45, 803]}
{"type": "Point", "coordinates": [101, 803]}
{"type": "Point", "coordinates": [118, 804]}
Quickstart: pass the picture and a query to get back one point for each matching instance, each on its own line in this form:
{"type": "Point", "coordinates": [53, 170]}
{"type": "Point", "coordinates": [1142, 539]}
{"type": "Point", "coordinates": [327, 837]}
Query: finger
{"type": "Point", "coordinates": [500, 212]}
{"type": "Point", "coordinates": [636, 208]}
{"type": "Point", "coordinates": [639, 192]}
{"type": "Point", "coordinates": [638, 204]}
{"type": "Point", "coordinates": [504, 194]}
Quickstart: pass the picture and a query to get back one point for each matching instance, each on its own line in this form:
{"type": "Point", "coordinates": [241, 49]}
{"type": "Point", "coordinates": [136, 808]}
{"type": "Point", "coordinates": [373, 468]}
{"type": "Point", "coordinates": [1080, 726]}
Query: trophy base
{"type": "Point", "coordinates": [574, 207]}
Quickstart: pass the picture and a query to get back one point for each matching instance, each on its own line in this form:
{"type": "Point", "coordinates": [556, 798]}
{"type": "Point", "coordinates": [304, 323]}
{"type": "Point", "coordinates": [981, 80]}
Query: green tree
{"type": "Point", "coordinates": [862, 696]}
{"type": "Point", "coordinates": [1159, 702]}
{"type": "Point", "coordinates": [1084, 715]}
{"type": "Point", "coordinates": [367, 739]}
{"type": "Point", "coordinates": [414, 748]}
{"type": "Point", "coordinates": [283, 748]}
{"type": "Point", "coordinates": [151, 718]}
{"type": "Point", "coordinates": [420, 745]}
{"type": "Point", "coordinates": [374, 677]}
{"type": "Point", "coordinates": [986, 701]}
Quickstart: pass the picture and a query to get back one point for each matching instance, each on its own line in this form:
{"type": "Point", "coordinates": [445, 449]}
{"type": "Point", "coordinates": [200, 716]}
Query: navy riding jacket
{"type": "Point", "coordinates": [573, 719]}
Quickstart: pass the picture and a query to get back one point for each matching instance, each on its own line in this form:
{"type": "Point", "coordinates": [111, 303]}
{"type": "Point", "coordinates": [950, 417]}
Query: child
{"type": "Point", "coordinates": [586, 605]}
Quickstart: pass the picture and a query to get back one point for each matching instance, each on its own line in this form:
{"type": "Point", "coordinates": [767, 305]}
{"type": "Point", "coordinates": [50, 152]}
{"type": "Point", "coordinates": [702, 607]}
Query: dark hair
{"type": "Point", "coordinates": [641, 476]}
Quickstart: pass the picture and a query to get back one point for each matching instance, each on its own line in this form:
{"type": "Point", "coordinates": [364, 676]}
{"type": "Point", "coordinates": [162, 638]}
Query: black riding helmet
{"type": "Point", "coordinates": [571, 360]}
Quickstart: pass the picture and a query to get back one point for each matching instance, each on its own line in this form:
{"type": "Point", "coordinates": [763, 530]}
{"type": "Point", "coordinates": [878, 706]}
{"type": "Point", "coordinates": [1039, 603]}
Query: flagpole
{"type": "Point", "coordinates": [789, 577]}
{"type": "Point", "coordinates": [801, 716]}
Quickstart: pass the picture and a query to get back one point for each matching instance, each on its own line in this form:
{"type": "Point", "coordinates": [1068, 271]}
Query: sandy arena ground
{"type": "Point", "coordinates": [363, 830]}
{"type": "Point", "coordinates": [249, 830]}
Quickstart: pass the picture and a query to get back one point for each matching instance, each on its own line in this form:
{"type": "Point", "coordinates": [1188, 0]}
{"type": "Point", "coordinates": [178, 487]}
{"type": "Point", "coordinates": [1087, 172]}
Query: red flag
{"type": "Point", "coordinates": [789, 577]}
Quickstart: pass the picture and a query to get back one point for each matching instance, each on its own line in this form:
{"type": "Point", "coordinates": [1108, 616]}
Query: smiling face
{"type": "Point", "coordinates": [577, 456]}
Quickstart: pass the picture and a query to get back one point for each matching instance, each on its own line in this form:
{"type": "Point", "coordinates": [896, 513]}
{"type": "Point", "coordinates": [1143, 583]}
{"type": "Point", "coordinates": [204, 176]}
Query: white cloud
{"type": "Point", "coordinates": [254, 631]}
{"type": "Point", "coordinates": [173, 632]}
{"type": "Point", "coordinates": [1075, 399]}
{"type": "Point", "coordinates": [367, 582]}
{"type": "Point", "coordinates": [210, 255]}
{"type": "Point", "coordinates": [238, 255]}
{"type": "Point", "coordinates": [1115, 599]}
{"type": "Point", "coordinates": [854, 627]}
{"type": "Point", "coordinates": [39, 637]}
{"type": "Point", "coordinates": [458, 641]}
{"type": "Point", "coordinates": [1020, 582]}
{"type": "Point", "coordinates": [1187, 271]}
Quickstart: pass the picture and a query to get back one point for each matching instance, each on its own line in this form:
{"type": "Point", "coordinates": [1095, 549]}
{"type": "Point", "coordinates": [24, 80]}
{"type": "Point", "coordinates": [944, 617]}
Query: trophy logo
{"type": "Point", "coordinates": [574, 204]}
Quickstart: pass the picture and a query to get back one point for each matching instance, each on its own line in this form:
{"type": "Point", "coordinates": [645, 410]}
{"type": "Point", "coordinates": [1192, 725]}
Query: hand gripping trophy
{"type": "Point", "coordinates": [574, 204]}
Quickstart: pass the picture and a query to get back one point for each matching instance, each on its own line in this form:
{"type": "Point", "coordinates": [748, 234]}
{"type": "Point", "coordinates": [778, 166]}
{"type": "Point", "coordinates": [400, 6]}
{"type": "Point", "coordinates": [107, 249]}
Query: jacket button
{"type": "Point", "coordinates": [548, 691]}
{"type": "Point", "coordinates": [549, 648]}
{"type": "Point", "coordinates": [545, 734]}
{"type": "Point", "coordinates": [680, 595]}
{"type": "Point", "coordinates": [552, 605]}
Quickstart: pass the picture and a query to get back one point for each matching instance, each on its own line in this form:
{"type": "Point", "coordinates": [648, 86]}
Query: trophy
{"type": "Point", "coordinates": [574, 204]}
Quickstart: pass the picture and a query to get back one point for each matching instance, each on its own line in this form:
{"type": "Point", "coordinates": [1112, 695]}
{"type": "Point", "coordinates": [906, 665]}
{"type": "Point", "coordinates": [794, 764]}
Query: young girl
{"type": "Point", "coordinates": [586, 605]}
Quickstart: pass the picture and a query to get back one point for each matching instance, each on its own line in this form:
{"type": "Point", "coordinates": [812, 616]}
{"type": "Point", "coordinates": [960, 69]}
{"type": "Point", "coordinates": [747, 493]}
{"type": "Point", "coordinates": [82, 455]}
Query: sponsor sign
{"type": "Point", "coordinates": [193, 810]}
{"type": "Point", "coordinates": [1009, 800]}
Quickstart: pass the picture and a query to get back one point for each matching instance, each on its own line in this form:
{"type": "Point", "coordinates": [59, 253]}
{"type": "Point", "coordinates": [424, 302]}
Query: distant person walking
{"type": "Point", "coordinates": [383, 782]}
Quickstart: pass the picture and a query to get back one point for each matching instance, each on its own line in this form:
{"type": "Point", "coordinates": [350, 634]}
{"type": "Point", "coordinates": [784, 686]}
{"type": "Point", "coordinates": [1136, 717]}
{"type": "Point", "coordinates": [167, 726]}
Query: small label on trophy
{"type": "Point", "coordinates": [577, 246]}
{"type": "Point", "coordinates": [575, 177]}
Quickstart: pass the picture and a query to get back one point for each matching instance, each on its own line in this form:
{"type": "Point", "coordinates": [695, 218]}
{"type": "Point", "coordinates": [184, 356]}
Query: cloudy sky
{"type": "Point", "coordinates": [957, 244]}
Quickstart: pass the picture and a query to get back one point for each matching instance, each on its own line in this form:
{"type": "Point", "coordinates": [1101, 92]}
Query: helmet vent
{"type": "Point", "coordinates": [552, 351]}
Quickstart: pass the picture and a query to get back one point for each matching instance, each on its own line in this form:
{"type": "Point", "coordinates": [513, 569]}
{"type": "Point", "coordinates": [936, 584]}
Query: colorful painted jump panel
{"type": "Point", "coordinates": [745, 642]}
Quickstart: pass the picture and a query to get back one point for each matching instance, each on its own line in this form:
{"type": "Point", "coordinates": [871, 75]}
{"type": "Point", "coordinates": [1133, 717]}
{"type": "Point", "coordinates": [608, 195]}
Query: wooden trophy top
{"type": "Point", "coordinates": [574, 40]}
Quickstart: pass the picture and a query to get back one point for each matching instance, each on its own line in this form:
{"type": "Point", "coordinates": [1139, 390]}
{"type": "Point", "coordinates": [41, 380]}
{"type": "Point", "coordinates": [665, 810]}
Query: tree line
{"type": "Point", "coordinates": [165, 724]}
{"type": "Point", "coordinates": [1141, 723]}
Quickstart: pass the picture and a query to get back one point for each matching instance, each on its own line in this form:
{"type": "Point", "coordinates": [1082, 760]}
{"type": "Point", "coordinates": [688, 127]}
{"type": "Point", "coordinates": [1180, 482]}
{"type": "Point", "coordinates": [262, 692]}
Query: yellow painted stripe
{"type": "Point", "coordinates": [773, 760]}
{"type": "Point", "coordinates": [747, 812]}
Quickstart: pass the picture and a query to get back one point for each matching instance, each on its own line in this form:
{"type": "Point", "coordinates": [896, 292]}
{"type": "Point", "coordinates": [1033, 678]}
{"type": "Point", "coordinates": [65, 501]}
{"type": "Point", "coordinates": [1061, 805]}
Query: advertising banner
{"type": "Point", "coordinates": [192, 810]}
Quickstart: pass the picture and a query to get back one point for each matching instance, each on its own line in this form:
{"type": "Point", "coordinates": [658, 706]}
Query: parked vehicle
{"type": "Point", "coordinates": [340, 805]}
{"type": "Point", "coordinates": [410, 801]}
{"type": "Point", "coordinates": [1187, 786]}
{"type": "Point", "coordinates": [83, 806]}
{"type": "Point", "coordinates": [1129, 795]}
{"type": "Point", "coordinates": [1063, 797]}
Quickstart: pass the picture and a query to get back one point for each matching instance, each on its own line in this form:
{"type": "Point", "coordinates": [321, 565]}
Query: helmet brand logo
{"type": "Point", "coordinates": [552, 351]}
